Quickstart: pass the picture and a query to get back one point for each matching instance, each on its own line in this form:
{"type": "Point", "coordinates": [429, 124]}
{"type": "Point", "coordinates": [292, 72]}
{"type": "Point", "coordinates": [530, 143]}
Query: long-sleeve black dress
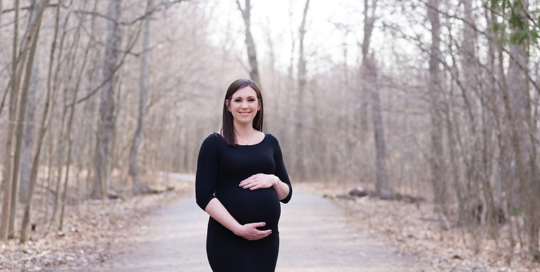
{"type": "Point", "coordinates": [220, 169]}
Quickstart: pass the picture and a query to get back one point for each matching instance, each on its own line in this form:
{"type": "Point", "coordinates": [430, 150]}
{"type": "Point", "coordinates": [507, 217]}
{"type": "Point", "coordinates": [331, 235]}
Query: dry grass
{"type": "Point", "coordinates": [419, 231]}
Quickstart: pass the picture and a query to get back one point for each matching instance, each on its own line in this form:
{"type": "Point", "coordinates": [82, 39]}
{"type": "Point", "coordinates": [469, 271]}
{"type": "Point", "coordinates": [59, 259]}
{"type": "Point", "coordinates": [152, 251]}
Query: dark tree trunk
{"type": "Point", "coordinates": [134, 171]}
{"type": "Point", "coordinates": [250, 44]}
{"type": "Point", "coordinates": [45, 121]}
{"type": "Point", "coordinates": [435, 88]}
{"type": "Point", "coordinates": [368, 70]}
{"type": "Point", "coordinates": [13, 108]}
{"type": "Point", "coordinates": [29, 134]}
{"type": "Point", "coordinates": [300, 154]}
{"type": "Point", "coordinates": [106, 107]}
{"type": "Point", "coordinates": [27, 61]}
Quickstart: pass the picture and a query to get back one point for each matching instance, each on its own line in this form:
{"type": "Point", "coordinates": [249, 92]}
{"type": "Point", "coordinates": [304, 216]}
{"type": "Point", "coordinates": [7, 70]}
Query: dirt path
{"type": "Point", "coordinates": [316, 235]}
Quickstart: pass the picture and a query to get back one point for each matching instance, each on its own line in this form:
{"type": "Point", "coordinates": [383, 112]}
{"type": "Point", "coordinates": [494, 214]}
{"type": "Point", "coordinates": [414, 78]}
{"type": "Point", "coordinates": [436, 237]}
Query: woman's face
{"type": "Point", "coordinates": [243, 105]}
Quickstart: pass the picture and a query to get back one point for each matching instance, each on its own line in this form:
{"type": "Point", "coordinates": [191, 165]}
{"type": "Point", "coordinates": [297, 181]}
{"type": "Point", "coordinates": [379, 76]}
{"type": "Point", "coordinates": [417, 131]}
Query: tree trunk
{"type": "Point", "coordinates": [250, 44]}
{"type": "Point", "coordinates": [533, 213]}
{"type": "Point", "coordinates": [381, 170]}
{"type": "Point", "coordinates": [29, 134]}
{"type": "Point", "coordinates": [435, 87]}
{"type": "Point", "coordinates": [106, 107]}
{"type": "Point", "coordinates": [369, 72]}
{"type": "Point", "coordinates": [533, 203]}
{"type": "Point", "coordinates": [1, 12]}
{"type": "Point", "coordinates": [13, 107]}
{"type": "Point", "coordinates": [143, 90]}
{"type": "Point", "coordinates": [61, 157]}
{"type": "Point", "coordinates": [68, 139]}
{"type": "Point", "coordinates": [513, 126]}
{"type": "Point", "coordinates": [300, 141]}
{"type": "Point", "coordinates": [454, 163]}
{"type": "Point", "coordinates": [28, 56]}
{"type": "Point", "coordinates": [45, 121]}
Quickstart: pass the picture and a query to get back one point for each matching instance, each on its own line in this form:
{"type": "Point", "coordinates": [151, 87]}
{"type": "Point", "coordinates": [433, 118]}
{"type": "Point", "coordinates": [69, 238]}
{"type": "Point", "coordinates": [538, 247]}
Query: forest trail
{"type": "Point", "coordinates": [316, 235]}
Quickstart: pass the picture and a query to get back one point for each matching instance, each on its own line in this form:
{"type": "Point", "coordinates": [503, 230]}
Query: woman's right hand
{"type": "Point", "coordinates": [250, 231]}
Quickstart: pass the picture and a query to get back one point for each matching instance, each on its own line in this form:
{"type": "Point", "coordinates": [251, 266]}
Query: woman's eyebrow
{"type": "Point", "coordinates": [242, 97]}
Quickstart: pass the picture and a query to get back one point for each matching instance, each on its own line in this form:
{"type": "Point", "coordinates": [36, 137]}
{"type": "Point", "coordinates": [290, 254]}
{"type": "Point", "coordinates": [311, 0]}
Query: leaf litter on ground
{"type": "Point", "coordinates": [416, 230]}
{"type": "Point", "coordinates": [87, 235]}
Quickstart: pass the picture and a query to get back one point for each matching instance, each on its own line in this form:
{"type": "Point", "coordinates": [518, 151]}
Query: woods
{"type": "Point", "coordinates": [428, 98]}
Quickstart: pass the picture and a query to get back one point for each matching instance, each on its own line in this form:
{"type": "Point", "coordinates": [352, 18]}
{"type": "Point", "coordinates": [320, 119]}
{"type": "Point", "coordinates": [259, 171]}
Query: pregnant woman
{"type": "Point", "coordinates": [241, 178]}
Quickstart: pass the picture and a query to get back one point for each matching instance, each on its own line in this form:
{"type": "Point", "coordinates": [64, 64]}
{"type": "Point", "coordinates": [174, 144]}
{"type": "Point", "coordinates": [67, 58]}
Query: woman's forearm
{"type": "Point", "coordinates": [217, 211]}
{"type": "Point", "coordinates": [281, 188]}
{"type": "Point", "coordinates": [247, 231]}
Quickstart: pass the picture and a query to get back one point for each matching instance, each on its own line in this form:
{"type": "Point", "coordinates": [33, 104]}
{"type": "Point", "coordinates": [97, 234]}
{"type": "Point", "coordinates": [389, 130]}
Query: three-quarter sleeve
{"type": "Point", "coordinates": [281, 171]}
{"type": "Point", "coordinates": [207, 168]}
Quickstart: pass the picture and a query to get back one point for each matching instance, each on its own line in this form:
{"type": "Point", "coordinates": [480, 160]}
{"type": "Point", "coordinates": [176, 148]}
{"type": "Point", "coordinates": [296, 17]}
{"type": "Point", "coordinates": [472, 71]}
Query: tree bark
{"type": "Point", "coordinates": [435, 87]}
{"type": "Point", "coordinates": [381, 169]}
{"type": "Point", "coordinates": [27, 57]}
{"type": "Point", "coordinates": [68, 139]}
{"type": "Point", "coordinates": [1, 12]}
{"type": "Point", "coordinates": [106, 108]}
{"type": "Point", "coordinates": [300, 141]}
{"type": "Point", "coordinates": [13, 107]}
{"type": "Point", "coordinates": [29, 134]}
{"type": "Point", "coordinates": [514, 130]}
{"type": "Point", "coordinates": [45, 121]}
{"type": "Point", "coordinates": [368, 70]}
{"type": "Point", "coordinates": [250, 44]}
{"type": "Point", "coordinates": [61, 147]}
{"type": "Point", "coordinates": [143, 90]}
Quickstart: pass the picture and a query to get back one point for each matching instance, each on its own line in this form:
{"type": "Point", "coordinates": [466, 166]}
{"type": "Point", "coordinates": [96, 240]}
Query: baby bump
{"type": "Point", "coordinates": [248, 206]}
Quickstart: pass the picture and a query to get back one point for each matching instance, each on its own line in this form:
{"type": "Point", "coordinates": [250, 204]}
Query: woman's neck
{"type": "Point", "coordinates": [243, 130]}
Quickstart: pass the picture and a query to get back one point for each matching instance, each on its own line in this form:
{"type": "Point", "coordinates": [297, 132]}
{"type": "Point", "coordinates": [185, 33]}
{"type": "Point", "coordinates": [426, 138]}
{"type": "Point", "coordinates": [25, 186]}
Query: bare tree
{"type": "Point", "coordinates": [250, 44]}
{"type": "Point", "coordinates": [368, 70]}
{"type": "Point", "coordinates": [68, 140]}
{"type": "Point", "coordinates": [435, 89]}
{"type": "Point", "coordinates": [300, 142]}
{"type": "Point", "coordinates": [134, 171]}
{"type": "Point", "coordinates": [106, 108]}
{"type": "Point", "coordinates": [13, 107]}
{"type": "Point", "coordinates": [44, 125]}
{"type": "Point", "coordinates": [26, 163]}
{"type": "Point", "coordinates": [27, 57]}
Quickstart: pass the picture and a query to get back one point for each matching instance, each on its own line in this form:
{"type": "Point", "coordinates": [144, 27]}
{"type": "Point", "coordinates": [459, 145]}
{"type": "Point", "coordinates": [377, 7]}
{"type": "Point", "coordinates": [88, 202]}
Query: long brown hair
{"type": "Point", "coordinates": [227, 128]}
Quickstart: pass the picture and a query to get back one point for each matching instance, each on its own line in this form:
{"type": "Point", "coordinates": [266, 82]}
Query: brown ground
{"type": "Point", "coordinates": [167, 232]}
{"type": "Point", "coordinates": [87, 235]}
{"type": "Point", "coordinates": [418, 230]}
{"type": "Point", "coordinates": [316, 235]}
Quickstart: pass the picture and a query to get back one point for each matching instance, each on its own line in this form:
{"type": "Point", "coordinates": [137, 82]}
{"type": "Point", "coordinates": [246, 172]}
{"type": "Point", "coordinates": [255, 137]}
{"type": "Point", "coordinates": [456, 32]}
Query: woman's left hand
{"type": "Point", "coordinates": [259, 181]}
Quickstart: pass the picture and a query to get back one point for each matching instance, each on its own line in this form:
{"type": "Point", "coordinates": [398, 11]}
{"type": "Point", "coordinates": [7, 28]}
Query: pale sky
{"type": "Point", "coordinates": [322, 37]}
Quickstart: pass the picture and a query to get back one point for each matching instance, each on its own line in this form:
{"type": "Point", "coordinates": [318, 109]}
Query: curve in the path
{"type": "Point", "coordinates": [315, 236]}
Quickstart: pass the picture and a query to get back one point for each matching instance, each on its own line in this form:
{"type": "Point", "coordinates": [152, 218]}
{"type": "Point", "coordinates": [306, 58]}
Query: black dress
{"type": "Point", "coordinates": [220, 169]}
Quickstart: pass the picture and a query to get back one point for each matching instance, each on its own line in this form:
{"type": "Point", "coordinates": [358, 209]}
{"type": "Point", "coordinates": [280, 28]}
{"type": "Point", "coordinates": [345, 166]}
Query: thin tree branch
{"type": "Point", "coordinates": [489, 36]}
{"type": "Point", "coordinates": [114, 70]}
{"type": "Point", "coordinates": [134, 21]}
{"type": "Point", "coordinates": [27, 8]}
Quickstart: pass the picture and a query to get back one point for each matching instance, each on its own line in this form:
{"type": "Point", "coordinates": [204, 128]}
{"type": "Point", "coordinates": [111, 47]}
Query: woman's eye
{"type": "Point", "coordinates": [238, 100]}
{"type": "Point", "coordinates": [251, 100]}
